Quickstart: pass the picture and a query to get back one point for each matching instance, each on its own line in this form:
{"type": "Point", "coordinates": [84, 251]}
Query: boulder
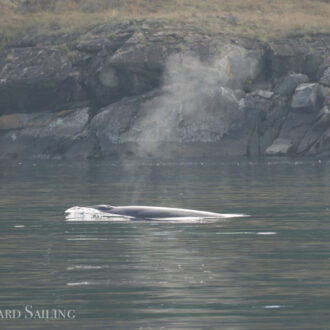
{"type": "Point", "coordinates": [302, 130]}
{"type": "Point", "coordinates": [279, 147]}
{"type": "Point", "coordinates": [270, 125]}
{"type": "Point", "coordinates": [323, 118]}
{"type": "Point", "coordinates": [217, 115]}
{"type": "Point", "coordinates": [256, 106]}
{"type": "Point", "coordinates": [325, 79]}
{"type": "Point", "coordinates": [240, 68]}
{"type": "Point", "coordinates": [259, 100]}
{"type": "Point", "coordinates": [307, 98]}
{"type": "Point", "coordinates": [113, 124]}
{"type": "Point", "coordinates": [296, 126]}
{"type": "Point", "coordinates": [326, 92]}
{"type": "Point", "coordinates": [288, 84]}
{"type": "Point", "coordinates": [160, 117]}
{"type": "Point", "coordinates": [314, 132]}
{"type": "Point", "coordinates": [309, 139]}
{"type": "Point", "coordinates": [321, 147]}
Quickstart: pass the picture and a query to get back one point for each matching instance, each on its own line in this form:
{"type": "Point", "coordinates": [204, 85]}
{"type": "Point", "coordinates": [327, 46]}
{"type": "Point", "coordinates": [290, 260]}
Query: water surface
{"type": "Point", "coordinates": [268, 271]}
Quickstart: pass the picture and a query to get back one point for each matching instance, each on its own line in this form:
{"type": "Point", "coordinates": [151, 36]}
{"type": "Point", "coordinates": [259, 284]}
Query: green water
{"type": "Point", "coordinates": [268, 271]}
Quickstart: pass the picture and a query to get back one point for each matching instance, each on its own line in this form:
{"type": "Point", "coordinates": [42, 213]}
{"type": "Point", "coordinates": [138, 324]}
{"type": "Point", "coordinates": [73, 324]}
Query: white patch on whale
{"type": "Point", "coordinates": [78, 213]}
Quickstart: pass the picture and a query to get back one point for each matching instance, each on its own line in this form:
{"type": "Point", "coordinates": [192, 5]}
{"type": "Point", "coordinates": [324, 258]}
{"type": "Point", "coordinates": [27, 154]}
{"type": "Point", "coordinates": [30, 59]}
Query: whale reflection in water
{"type": "Point", "coordinates": [143, 213]}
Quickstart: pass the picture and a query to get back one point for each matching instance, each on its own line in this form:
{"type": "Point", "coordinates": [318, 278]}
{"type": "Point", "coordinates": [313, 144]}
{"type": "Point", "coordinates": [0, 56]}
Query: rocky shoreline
{"type": "Point", "coordinates": [155, 89]}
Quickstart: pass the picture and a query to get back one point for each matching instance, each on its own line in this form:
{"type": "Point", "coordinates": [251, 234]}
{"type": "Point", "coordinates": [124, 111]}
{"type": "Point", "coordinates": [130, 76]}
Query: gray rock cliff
{"type": "Point", "coordinates": [155, 89]}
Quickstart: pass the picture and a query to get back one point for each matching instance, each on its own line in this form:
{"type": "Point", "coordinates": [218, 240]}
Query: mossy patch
{"type": "Point", "coordinates": [255, 18]}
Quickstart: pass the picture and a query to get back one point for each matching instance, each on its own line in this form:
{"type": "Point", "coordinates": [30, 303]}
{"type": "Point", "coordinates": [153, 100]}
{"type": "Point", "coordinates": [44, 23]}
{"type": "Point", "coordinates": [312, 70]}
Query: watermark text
{"type": "Point", "coordinates": [28, 312]}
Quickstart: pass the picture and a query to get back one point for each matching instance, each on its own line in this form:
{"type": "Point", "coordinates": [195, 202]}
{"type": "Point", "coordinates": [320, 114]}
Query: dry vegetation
{"type": "Point", "coordinates": [261, 18]}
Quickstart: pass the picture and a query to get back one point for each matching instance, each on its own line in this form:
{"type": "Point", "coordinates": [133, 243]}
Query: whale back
{"type": "Point", "coordinates": [103, 208]}
{"type": "Point", "coordinates": [128, 213]}
{"type": "Point", "coordinates": [149, 212]}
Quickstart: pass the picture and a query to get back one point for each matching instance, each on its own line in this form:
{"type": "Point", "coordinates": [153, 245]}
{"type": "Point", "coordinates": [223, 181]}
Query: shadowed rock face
{"type": "Point", "coordinates": [36, 79]}
{"type": "Point", "coordinates": [151, 89]}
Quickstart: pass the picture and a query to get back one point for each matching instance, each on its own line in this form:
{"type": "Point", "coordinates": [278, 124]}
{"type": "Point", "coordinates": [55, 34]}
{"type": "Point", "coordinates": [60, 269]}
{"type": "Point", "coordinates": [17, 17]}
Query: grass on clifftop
{"type": "Point", "coordinates": [264, 19]}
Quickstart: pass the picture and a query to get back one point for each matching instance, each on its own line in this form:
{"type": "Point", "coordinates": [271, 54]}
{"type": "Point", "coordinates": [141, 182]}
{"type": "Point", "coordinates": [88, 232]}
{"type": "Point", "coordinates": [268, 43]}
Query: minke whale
{"type": "Point", "coordinates": [144, 213]}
